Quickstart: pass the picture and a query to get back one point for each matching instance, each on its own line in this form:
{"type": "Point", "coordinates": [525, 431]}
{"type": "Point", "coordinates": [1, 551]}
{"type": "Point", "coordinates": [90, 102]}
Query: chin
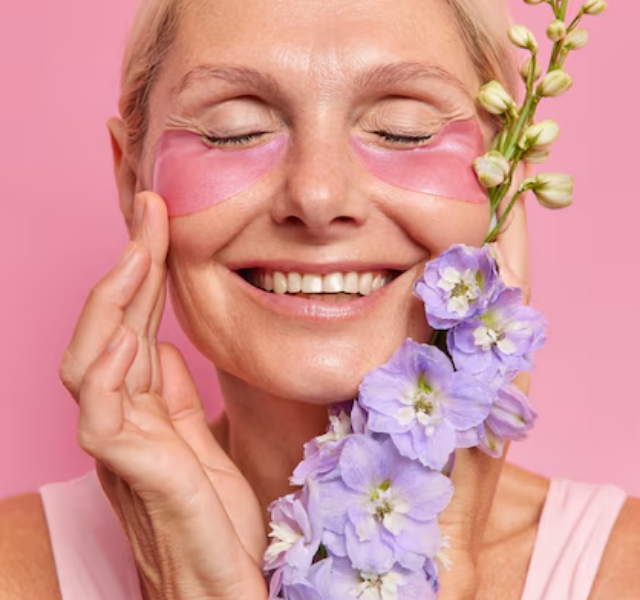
{"type": "Point", "coordinates": [326, 371]}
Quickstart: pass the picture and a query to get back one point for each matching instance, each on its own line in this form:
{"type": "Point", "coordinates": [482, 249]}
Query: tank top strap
{"type": "Point", "coordinates": [576, 522]}
{"type": "Point", "coordinates": [91, 552]}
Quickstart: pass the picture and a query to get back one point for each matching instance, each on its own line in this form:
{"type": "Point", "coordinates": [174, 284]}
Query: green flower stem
{"type": "Point", "coordinates": [528, 110]}
{"type": "Point", "coordinates": [531, 79]}
{"type": "Point", "coordinates": [496, 230]}
{"type": "Point", "coordinates": [562, 9]}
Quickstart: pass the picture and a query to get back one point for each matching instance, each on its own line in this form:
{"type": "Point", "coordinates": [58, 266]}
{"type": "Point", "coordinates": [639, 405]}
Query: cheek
{"type": "Point", "coordinates": [443, 168]}
{"type": "Point", "coordinates": [192, 177]}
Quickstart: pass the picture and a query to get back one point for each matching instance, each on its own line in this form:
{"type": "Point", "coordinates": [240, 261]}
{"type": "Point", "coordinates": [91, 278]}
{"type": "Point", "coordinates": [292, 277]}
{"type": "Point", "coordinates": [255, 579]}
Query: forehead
{"type": "Point", "coordinates": [319, 43]}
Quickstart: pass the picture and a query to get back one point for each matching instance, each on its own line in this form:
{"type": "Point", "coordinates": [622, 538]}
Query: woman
{"type": "Point", "coordinates": [305, 84]}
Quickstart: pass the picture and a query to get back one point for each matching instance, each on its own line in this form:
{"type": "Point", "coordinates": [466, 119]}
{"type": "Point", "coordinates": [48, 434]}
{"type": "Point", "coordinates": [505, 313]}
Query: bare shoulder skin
{"type": "Point", "coordinates": [511, 535]}
{"type": "Point", "coordinates": [27, 569]}
{"type": "Point", "coordinates": [619, 571]}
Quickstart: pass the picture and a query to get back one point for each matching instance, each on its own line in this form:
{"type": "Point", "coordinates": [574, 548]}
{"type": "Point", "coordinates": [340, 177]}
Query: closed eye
{"type": "Point", "coordinates": [236, 140]}
{"type": "Point", "coordinates": [403, 140]}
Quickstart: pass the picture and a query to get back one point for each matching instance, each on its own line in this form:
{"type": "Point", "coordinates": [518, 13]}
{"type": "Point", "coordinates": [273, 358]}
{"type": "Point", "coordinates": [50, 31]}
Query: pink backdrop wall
{"type": "Point", "coordinates": [60, 230]}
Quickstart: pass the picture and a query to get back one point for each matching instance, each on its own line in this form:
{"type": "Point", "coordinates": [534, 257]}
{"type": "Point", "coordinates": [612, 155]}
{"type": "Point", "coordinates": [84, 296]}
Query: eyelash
{"type": "Point", "coordinates": [403, 140]}
{"type": "Point", "coordinates": [240, 140]}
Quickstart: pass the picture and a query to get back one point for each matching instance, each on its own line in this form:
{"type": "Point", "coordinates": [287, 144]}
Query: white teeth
{"type": "Point", "coordinates": [279, 283]}
{"type": "Point", "coordinates": [333, 283]}
{"type": "Point", "coordinates": [294, 283]}
{"type": "Point", "coordinates": [268, 282]}
{"type": "Point", "coordinates": [366, 279]}
{"type": "Point", "coordinates": [351, 283]}
{"type": "Point", "coordinates": [311, 284]}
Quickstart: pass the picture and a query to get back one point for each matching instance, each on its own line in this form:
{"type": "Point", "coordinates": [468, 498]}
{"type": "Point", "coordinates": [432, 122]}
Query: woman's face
{"type": "Point", "coordinates": [342, 98]}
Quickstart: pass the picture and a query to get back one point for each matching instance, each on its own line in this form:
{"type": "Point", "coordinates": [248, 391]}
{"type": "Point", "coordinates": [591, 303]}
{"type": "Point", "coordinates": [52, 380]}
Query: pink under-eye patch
{"type": "Point", "coordinates": [444, 167]}
{"type": "Point", "coordinates": [191, 176]}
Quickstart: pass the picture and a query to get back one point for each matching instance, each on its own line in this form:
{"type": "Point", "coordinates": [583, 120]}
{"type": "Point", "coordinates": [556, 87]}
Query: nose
{"type": "Point", "coordinates": [320, 196]}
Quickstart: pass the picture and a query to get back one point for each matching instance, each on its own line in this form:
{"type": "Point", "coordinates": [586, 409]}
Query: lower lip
{"type": "Point", "coordinates": [313, 310]}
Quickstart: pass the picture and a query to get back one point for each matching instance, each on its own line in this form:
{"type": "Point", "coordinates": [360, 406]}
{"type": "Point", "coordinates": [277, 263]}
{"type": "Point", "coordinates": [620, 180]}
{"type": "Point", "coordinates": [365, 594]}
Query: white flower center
{"type": "Point", "coordinates": [487, 337]}
{"type": "Point", "coordinates": [379, 587]}
{"type": "Point", "coordinates": [463, 288]}
{"type": "Point", "coordinates": [283, 538]}
{"type": "Point", "coordinates": [422, 405]}
{"type": "Point", "coordinates": [387, 508]}
{"type": "Point", "coordinates": [339, 428]}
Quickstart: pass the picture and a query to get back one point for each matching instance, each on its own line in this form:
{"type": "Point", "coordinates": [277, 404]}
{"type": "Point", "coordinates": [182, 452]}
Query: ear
{"type": "Point", "coordinates": [126, 177]}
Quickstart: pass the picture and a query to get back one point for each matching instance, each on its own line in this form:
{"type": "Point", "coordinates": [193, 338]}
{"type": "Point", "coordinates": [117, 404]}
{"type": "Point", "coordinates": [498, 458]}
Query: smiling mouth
{"type": "Point", "coordinates": [331, 287]}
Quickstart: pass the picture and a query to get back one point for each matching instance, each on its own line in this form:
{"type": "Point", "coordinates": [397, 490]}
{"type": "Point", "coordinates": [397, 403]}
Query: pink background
{"type": "Point", "coordinates": [60, 230]}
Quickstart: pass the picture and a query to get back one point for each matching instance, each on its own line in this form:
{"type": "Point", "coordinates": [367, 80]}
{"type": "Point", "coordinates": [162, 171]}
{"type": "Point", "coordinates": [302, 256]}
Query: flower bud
{"type": "Point", "coordinates": [534, 1]}
{"type": "Point", "coordinates": [555, 83]}
{"type": "Point", "coordinates": [593, 7]}
{"type": "Point", "coordinates": [576, 39]}
{"type": "Point", "coordinates": [526, 69]}
{"type": "Point", "coordinates": [556, 30]}
{"type": "Point", "coordinates": [553, 190]}
{"type": "Point", "coordinates": [537, 155]}
{"type": "Point", "coordinates": [540, 134]}
{"type": "Point", "coordinates": [523, 38]}
{"type": "Point", "coordinates": [495, 99]}
{"type": "Point", "coordinates": [492, 169]}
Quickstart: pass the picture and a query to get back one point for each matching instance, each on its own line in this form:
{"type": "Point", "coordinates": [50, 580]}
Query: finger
{"type": "Point", "coordinates": [156, 319]}
{"type": "Point", "coordinates": [151, 231]}
{"type": "Point", "coordinates": [189, 420]}
{"type": "Point", "coordinates": [101, 395]}
{"type": "Point", "coordinates": [185, 407]}
{"type": "Point", "coordinates": [102, 314]}
{"type": "Point", "coordinates": [463, 522]}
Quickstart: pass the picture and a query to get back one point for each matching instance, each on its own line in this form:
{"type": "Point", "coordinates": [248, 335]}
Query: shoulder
{"type": "Point", "coordinates": [27, 568]}
{"type": "Point", "coordinates": [511, 532]}
{"type": "Point", "coordinates": [618, 574]}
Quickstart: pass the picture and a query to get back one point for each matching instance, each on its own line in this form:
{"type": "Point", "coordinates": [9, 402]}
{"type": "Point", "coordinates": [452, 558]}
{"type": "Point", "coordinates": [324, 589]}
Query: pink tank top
{"type": "Point", "coordinates": [94, 561]}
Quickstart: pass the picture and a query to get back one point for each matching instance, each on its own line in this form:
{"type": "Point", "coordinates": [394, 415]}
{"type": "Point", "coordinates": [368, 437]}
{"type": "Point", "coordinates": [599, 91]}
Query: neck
{"type": "Point", "coordinates": [264, 435]}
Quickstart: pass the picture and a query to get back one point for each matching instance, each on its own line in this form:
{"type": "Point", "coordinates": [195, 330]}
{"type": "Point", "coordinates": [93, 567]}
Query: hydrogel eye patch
{"type": "Point", "coordinates": [191, 176]}
{"type": "Point", "coordinates": [444, 167]}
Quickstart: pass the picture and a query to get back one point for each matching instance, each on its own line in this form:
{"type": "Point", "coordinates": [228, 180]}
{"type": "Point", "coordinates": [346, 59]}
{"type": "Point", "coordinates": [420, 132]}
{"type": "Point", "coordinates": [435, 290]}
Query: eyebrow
{"type": "Point", "coordinates": [392, 74]}
{"type": "Point", "coordinates": [240, 76]}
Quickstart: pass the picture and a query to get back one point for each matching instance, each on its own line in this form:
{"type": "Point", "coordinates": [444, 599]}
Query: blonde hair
{"type": "Point", "coordinates": [482, 24]}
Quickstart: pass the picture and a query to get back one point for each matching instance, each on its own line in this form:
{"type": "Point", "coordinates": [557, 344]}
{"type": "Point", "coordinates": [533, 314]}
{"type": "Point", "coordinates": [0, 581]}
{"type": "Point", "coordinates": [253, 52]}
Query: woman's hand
{"type": "Point", "coordinates": [194, 525]}
{"type": "Point", "coordinates": [475, 476]}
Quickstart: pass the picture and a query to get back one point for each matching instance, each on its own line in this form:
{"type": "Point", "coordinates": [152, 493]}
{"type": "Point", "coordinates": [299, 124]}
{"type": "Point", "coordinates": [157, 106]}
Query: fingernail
{"type": "Point", "coordinates": [117, 338]}
{"type": "Point", "coordinates": [138, 213]}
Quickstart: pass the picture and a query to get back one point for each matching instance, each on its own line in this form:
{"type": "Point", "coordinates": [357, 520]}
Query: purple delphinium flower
{"type": "Point", "coordinates": [500, 341]}
{"type": "Point", "coordinates": [424, 405]}
{"type": "Point", "coordinates": [395, 584]}
{"type": "Point", "coordinates": [511, 417]}
{"type": "Point", "coordinates": [383, 508]}
{"type": "Point", "coordinates": [296, 532]}
{"type": "Point", "coordinates": [321, 454]}
{"type": "Point", "coordinates": [457, 285]}
{"type": "Point", "coordinates": [315, 586]}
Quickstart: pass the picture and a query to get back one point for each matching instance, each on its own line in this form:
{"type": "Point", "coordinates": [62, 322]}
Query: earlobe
{"type": "Point", "coordinates": [126, 178]}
